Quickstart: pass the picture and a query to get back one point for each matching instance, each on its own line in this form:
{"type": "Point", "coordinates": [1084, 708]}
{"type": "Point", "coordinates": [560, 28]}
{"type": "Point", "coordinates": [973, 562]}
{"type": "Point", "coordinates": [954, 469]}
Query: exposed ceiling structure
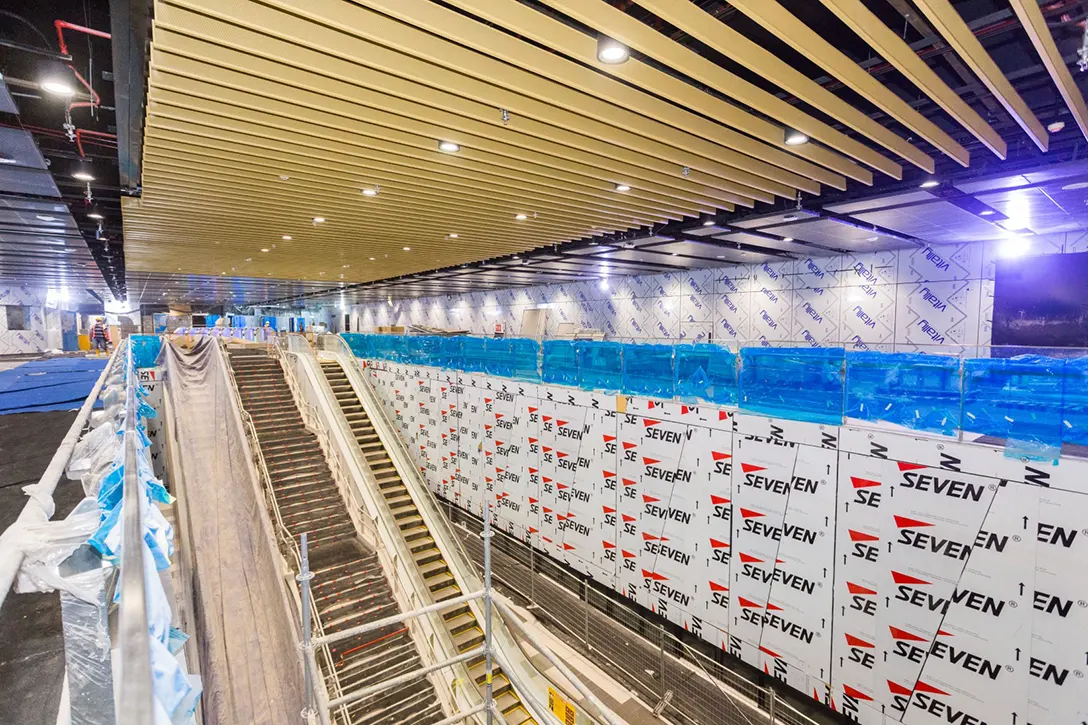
{"type": "Point", "coordinates": [264, 116]}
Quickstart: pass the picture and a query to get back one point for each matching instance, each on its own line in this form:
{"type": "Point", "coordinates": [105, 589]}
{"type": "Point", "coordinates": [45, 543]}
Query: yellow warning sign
{"type": "Point", "coordinates": [561, 708]}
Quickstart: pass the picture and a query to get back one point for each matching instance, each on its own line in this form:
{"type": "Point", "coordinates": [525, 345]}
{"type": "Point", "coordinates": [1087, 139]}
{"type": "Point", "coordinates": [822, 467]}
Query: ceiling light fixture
{"type": "Point", "coordinates": [407, 249]}
{"type": "Point", "coordinates": [872, 239]}
{"type": "Point", "coordinates": [1075, 186]}
{"type": "Point", "coordinates": [708, 223]}
{"type": "Point", "coordinates": [521, 217]}
{"type": "Point", "coordinates": [8, 160]}
{"type": "Point", "coordinates": [371, 259]}
{"type": "Point", "coordinates": [46, 218]}
{"type": "Point", "coordinates": [1013, 248]}
{"type": "Point", "coordinates": [622, 187]}
{"type": "Point", "coordinates": [319, 220]}
{"type": "Point", "coordinates": [58, 87]}
{"type": "Point", "coordinates": [453, 236]}
{"type": "Point", "coordinates": [284, 177]}
{"type": "Point", "coordinates": [787, 239]}
{"type": "Point", "coordinates": [94, 215]}
{"type": "Point", "coordinates": [987, 212]}
{"type": "Point", "coordinates": [795, 138]}
{"type": "Point", "coordinates": [1055, 126]}
{"type": "Point", "coordinates": [611, 51]}
{"type": "Point", "coordinates": [370, 192]}
{"type": "Point", "coordinates": [264, 249]}
{"type": "Point", "coordinates": [929, 184]}
{"type": "Point", "coordinates": [448, 147]}
{"type": "Point", "coordinates": [83, 176]}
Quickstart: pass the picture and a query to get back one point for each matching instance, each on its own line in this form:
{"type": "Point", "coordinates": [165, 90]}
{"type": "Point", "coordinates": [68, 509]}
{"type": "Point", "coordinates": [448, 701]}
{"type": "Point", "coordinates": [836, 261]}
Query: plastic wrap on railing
{"type": "Point", "coordinates": [525, 354]}
{"type": "Point", "coordinates": [145, 350]}
{"type": "Point", "coordinates": [647, 370]}
{"type": "Point", "coordinates": [909, 389]}
{"type": "Point", "coordinates": [707, 372]}
{"type": "Point", "coordinates": [449, 354]}
{"type": "Point", "coordinates": [499, 354]}
{"type": "Point", "coordinates": [1019, 399]}
{"type": "Point", "coordinates": [791, 382]}
{"type": "Point", "coordinates": [474, 354]}
{"type": "Point", "coordinates": [600, 365]}
{"type": "Point", "coordinates": [560, 364]}
{"type": "Point", "coordinates": [428, 350]}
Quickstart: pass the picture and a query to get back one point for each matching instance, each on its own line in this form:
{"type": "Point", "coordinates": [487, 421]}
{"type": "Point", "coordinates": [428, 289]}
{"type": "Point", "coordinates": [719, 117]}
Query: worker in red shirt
{"type": "Point", "coordinates": [100, 335]}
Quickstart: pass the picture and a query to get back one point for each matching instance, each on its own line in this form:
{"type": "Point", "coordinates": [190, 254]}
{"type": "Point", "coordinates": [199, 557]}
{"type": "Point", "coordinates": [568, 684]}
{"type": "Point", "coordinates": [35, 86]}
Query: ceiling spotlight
{"type": "Point", "coordinates": [986, 212]}
{"type": "Point", "coordinates": [1055, 126]}
{"type": "Point", "coordinates": [319, 220]}
{"type": "Point", "coordinates": [8, 160]}
{"type": "Point", "coordinates": [449, 147]}
{"type": "Point", "coordinates": [345, 266]}
{"type": "Point", "coordinates": [1013, 248]}
{"type": "Point", "coordinates": [708, 223]}
{"type": "Point", "coordinates": [58, 87]}
{"type": "Point", "coordinates": [787, 239]}
{"type": "Point", "coordinates": [370, 192]}
{"type": "Point", "coordinates": [622, 187]}
{"type": "Point", "coordinates": [929, 183]}
{"type": "Point", "coordinates": [264, 249]}
{"type": "Point", "coordinates": [611, 51]}
{"type": "Point", "coordinates": [515, 257]}
{"type": "Point", "coordinates": [795, 138]}
{"type": "Point", "coordinates": [284, 177]}
{"type": "Point", "coordinates": [371, 259]}
{"type": "Point", "coordinates": [872, 239]}
{"type": "Point", "coordinates": [94, 214]}
{"type": "Point", "coordinates": [407, 249]}
{"type": "Point", "coordinates": [453, 236]}
{"type": "Point", "coordinates": [83, 176]}
{"type": "Point", "coordinates": [521, 217]}
{"type": "Point", "coordinates": [46, 218]}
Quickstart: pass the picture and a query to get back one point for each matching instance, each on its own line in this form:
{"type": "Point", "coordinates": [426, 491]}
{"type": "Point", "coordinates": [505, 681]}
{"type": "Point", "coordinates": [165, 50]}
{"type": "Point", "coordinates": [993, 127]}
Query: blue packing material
{"type": "Point", "coordinates": [913, 390]}
{"type": "Point", "coordinates": [707, 372]}
{"type": "Point", "coordinates": [500, 357]}
{"type": "Point", "coordinates": [525, 359]}
{"type": "Point", "coordinates": [1019, 399]}
{"type": "Point", "coordinates": [60, 383]}
{"type": "Point", "coordinates": [648, 370]}
{"type": "Point", "coordinates": [145, 349]}
{"type": "Point", "coordinates": [793, 382]}
{"type": "Point", "coordinates": [451, 356]}
{"type": "Point", "coordinates": [362, 346]}
{"type": "Point", "coordinates": [1075, 402]}
{"type": "Point", "coordinates": [473, 356]}
{"type": "Point", "coordinates": [600, 366]}
{"type": "Point", "coordinates": [560, 363]}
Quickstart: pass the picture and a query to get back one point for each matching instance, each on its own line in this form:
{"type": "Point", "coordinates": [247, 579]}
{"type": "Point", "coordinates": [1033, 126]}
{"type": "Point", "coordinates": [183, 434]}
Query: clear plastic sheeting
{"type": "Point", "coordinates": [916, 391]}
{"type": "Point", "coordinates": [249, 658]}
{"type": "Point", "coordinates": [560, 362]}
{"type": "Point", "coordinates": [647, 370]}
{"type": "Point", "coordinates": [48, 544]}
{"type": "Point", "coordinates": [600, 366]}
{"type": "Point", "coordinates": [790, 382]}
{"type": "Point", "coordinates": [525, 359]}
{"type": "Point", "coordinates": [706, 372]}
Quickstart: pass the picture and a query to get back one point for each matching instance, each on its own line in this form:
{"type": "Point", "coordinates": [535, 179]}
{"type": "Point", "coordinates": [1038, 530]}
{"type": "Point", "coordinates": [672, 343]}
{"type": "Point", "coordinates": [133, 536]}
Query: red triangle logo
{"type": "Point", "coordinates": [907, 523]}
{"type": "Point", "coordinates": [562, 486]}
{"type": "Point", "coordinates": [609, 439]}
{"type": "Point", "coordinates": [942, 633]}
{"type": "Point", "coordinates": [650, 404]}
{"type": "Point", "coordinates": [567, 547]}
{"type": "Point", "coordinates": [857, 642]}
{"type": "Point", "coordinates": [715, 544]}
{"type": "Point", "coordinates": [546, 479]}
{"type": "Point", "coordinates": [647, 461]}
{"type": "Point", "coordinates": [533, 531]}
{"type": "Point", "coordinates": [532, 500]}
{"type": "Point", "coordinates": [627, 554]}
{"type": "Point", "coordinates": [749, 603]}
{"type": "Point", "coordinates": [719, 456]}
{"type": "Point", "coordinates": [903, 634]}
{"type": "Point", "coordinates": [649, 499]}
{"type": "Point", "coordinates": [897, 689]}
{"type": "Point", "coordinates": [608, 474]}
{"type": "Point", "coordinates": [628, 519]}
{"type": "Point", "coordinates": [629, 482]}
{"type": "Point", "coordinates": [648, 537]}
{"type": "Point", "coordinates": [749, 513]}
{"type": "Point", "coordinates": [628, 446]}
{"type": "Point", "coordinates": [532, 409]}
{"type": "Point", "coordinates": [899, 578]}
{"type": "Point", "coordinates": [684, 410]}
{"type": "Point", "coordinates": [858, 589]}
{"type": "Point", "coordinates": [532, 470]}
{"type": "Point", "coordinates": [608, 545]}
{"type": "Point", "coordinates": [750, 468]}
{"type": "Point", "coordinates": [856, 694]}
{"type": "Point", "coordinates": [487, 400]}
{"type": "Point", "coordinates": [748, 559]}
{"type": "Point", "coordinates": [533, 440]}
{"type": "Point", "coordinates": [923, 687]}
{"type": "Point", "coordinates": [716, 587]}
{"type": "Point", "coordinates": [561, 454]}
{"type": "Point", "coordinates": [903, 466]}
{"type": "Point", "coordinates": [546, 418]}
{"type": "Point", "coordinates": [862, 536]}
{"type": "Point", "coordinates": [498, 415]}
{"type": "Point", "coordinates": [773, 607]}
{"type": "Point", "coordinates": [608, 510]}
{"type": "Point", "coordinates": [547, 510]}
{"type": "Point", "coordinates": [646, 422]}
{"type": "Point", "coordinates": [863, 482]}
{"type": "Point", "coordinates": [560, 423]}
{"type": "Point", "coordinates": [770, 652]}
{"type": "Point", "coordinates": [722, 415]}
{"type": "Point", "coordinates": [718, 500]}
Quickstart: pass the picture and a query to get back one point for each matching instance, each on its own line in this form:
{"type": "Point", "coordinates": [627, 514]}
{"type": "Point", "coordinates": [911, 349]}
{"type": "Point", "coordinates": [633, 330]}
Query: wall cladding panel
{"type": "Point", "coordinates": [894, 577]}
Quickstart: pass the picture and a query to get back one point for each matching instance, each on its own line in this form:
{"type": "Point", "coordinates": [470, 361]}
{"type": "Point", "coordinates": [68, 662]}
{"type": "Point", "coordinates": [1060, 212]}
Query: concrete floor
{"type": "Point", "coordinates": [31, 647]}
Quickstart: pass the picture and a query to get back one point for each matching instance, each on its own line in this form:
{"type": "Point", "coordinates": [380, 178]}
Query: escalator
{"type": "Point", "coordinates": [349, 587]}
{"type": "Point", "coordinates": [464, 628]}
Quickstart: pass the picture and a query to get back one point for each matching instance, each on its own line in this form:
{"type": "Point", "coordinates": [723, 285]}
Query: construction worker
{"type": "Point", "coordinates": [100, 335]}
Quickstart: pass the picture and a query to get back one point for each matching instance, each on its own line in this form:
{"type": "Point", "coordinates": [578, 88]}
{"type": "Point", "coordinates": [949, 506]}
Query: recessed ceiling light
{"type": "Point", "coordinates": [345, 266]}
{"type": "Point", "coordinates": [449, 147]}
{"type": "Point", "coordinates": [94, 215]}
{"type": "Point", "coordinates": [987, 212]}
{"type": "Point", "coordinates": [930, 183]}
{"type": "Point", "coordinates": [8, 160]}
{"type": "Point", "coordinates": [872, 239]}
{"type": "Point", "coordinates": [319, 220]}
{"type": "Point", "coordinates": [622, 187]}
{"type": "Point", "coordinates": [284, 177]}
{"type": "Point", "coordinates": [249, 259]}
{"type": "Point", "coordinates": [720, 256]}
{"type": "Point", "coordinates": [453, 236]}
{"type": "Point", "coordinates": [521, 217]}
{"type": "Point", "coordinates": [1076, 186]}
{"type": "Point", "coordinates": [264, 249]}
{"type": "Point", "coordinates": [286, 237]}
{"type": "Point", "coordinates": [83, 176]}
{"type": "Point", "coordinates": [58, 87]}
{"type": "Point", "coordinates": [370, 192]}
{"type": "Point", "coordinates": [675, 254]}
{"type": "Point", "coordinates": [371, 259]}
{"type": "Point", "coordinates": [1055, 126]}
{"type": "Point", "coordinates": [46, 218]}
{"type": "Point", "coordinates": [407, 249]}
{"type": "Point", "coordinates": [796, 138]}
{"type": "Point", "coordinates": [611, 51]}
{"type": "Point", "coordinates": [708, 223]}
{"type": "Point", "coordinates": [787, 239]}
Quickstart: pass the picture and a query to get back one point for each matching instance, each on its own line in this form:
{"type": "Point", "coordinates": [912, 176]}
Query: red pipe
{"type": "Point", "coordinates": [81, 132]}
{"type": "Point", "coordinates": [61, 25]}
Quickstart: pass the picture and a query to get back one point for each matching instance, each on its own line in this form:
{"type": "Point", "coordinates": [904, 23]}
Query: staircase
{"type": "Point", "coordinates": [349, 586]}
{"type": "Point", "coordinates": [466, 632]}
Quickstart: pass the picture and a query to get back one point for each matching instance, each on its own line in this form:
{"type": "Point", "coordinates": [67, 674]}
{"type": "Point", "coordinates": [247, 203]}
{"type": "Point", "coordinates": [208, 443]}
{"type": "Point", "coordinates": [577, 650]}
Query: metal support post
{"type": "Point", "coordinates": [585, 589]}
{"type": "Point", "coordinates": [770, 705]}
{"type": "Point", "coordinates": [661, 644]}
{"type": "Point", "coordinates": [488, 699]}
{"type": "Point", "coordinates": [532, 571]}
{"type": "Point", "coordinates": [303, 578]}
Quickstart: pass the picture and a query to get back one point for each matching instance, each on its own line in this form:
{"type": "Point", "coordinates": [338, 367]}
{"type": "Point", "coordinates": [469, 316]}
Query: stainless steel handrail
{"type": "Point", "coordinates": [135, 698]}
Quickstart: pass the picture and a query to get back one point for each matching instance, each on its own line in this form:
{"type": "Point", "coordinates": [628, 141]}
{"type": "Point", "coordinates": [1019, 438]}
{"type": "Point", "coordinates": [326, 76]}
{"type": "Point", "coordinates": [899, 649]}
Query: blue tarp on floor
{"type": "Point", "coordinates": [61, 383]}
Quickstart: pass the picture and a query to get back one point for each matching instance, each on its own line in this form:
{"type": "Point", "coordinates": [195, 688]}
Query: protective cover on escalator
{"type": "Point", "coordinates": [249, 658]}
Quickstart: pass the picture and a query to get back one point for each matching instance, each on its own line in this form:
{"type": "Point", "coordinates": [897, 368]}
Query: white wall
{"type": "Point", "coordinates": [43, 324]}
{"type": "Point", "coordinates": [902, 300]}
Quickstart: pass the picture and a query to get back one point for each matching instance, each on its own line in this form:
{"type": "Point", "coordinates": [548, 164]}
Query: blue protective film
{"type": "Point", "coordinates": [525, 354]}
{"type": "Point", "coordinates": [600, 365]}
{"type": "Point", "coordinates": [473, 354]}
{"type": "Point", "coordinates": [450, 353]}
{"type": "Point", "coordinates": [1019, 399]}
{"type": "Point", "coordinates": [499, 357]}
{"type": "Point", "coordinates": [647, 370]}
{"type": "Point", "coordinates": [1075, 402]}
{"type": "Point", "coordinates": [362, 346]}
{"type": "Point", "coordinates": [793, 382]}
{"type": "Point", "coordinates": [914, 390]}
{"type": "Point", "coordinates": [707, 372]}
{"type": "Point", "coordinates": [560, 362]}
{"type": "Point", "coordinates": [145, 350]}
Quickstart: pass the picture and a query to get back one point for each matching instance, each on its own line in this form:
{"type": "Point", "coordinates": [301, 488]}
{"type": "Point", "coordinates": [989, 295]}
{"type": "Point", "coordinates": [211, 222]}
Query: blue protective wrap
{"type": "Point", "coordinates": [913, 390]}
{"type": "Point", "coordinates": [500, 357]}
{"type": "Point", "coordinates": [648, 370]}
{"type": "Point", "coordinates": [1019, 399]}
{"type": "Point", "coordinates": [474, 354]}
{"type": "Point", "coordinates": [145, 350]}
{"type": "Point", "coordinates": [362, 346]}
{"type": "Point", "coordinates": [793, 382]}
{"type": "Point", "coordinates": [560, 362]}
{"type": "Point", "coordinates": [450, 353]}
{"type": "Point", "coordinates": [600, 365]}
{"type": "Point", "coordinates": [707, 372]}
{"type": "Point", "coordinates": [525, 354]}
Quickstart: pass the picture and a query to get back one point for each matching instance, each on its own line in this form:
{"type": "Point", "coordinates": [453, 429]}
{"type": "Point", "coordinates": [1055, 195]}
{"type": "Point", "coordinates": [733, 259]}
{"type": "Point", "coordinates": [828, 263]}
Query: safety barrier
{"type": "Point", "coordinates": [1034, 402]}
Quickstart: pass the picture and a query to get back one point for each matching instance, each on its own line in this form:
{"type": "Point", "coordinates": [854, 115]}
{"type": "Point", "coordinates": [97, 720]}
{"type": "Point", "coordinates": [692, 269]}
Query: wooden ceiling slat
{"type": "Point", "coordinates": [779, 21]}
{"type": "Point", "coordinates": [1035, 25]}
{"type": "Point", "coordinates": [954, 30]}
{"type": "Point", "coordinates": [626, 29]}
{"type": "Point", "coordinates": [892, 48]}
